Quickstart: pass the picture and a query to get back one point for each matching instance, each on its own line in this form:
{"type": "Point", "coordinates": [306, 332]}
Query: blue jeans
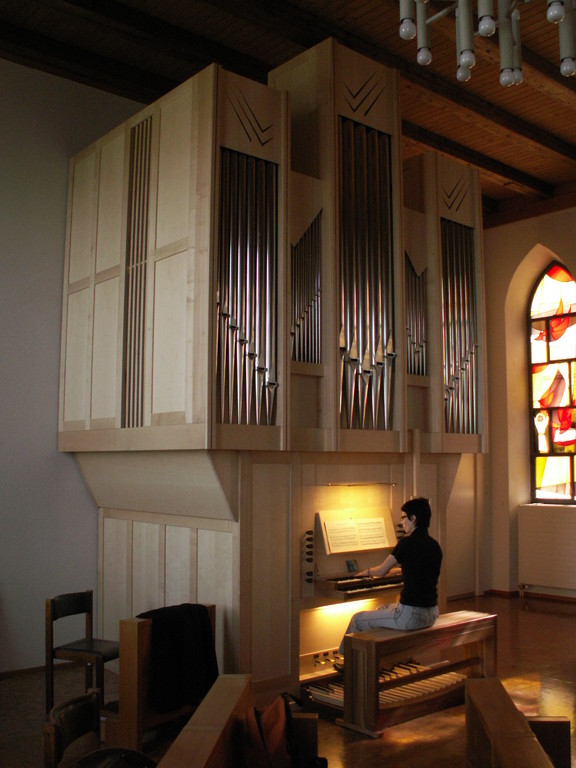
{"type": "Point", "coordinates": [393, 616]}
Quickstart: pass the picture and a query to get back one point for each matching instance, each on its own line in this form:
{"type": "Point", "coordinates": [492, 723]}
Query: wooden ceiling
{"type": "Point", "coordinates": [522, 139]}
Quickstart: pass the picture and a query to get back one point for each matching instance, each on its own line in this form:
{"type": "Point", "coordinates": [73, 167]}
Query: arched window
{"type": "Point", "coordinates": [552, 356]}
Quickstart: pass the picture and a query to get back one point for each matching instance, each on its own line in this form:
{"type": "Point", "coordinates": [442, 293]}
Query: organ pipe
{"type": "Point", "coordinates": [247, 290]}
{"type": "Point", "coordinates": [305, 329]}
{"type": "Point", "coordinates": [459, 318]}
{"type": "Point", "coordinates": [367, 349]}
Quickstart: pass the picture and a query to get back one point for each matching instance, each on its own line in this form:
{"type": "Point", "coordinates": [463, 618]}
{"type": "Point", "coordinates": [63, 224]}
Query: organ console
{"type": "Point", "coordinates": [392, 676]}
{"type": "Point", "coordinates": [342, 543]}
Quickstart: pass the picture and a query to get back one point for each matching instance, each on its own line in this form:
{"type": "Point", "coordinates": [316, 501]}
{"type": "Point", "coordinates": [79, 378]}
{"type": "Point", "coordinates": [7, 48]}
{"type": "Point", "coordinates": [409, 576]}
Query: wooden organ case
{"type": "Point", "coordinates": [208, 398]}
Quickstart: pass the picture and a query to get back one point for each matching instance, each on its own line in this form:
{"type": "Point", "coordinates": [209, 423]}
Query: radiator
{"type": "Point", "coordinates": [547, 547]}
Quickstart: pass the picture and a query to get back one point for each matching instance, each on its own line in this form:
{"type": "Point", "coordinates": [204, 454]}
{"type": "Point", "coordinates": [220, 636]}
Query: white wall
{"type": "Point", "coordinates": [516, 255]}
{"type": "Point", "coordinates": [48, 522]}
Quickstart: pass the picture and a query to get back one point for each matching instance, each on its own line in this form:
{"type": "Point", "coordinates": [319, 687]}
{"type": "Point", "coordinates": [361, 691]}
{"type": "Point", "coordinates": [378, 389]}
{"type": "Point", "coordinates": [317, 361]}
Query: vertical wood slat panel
{"type": "Point", "coordinates": [181, 562]}
{"type": "Point", "coordinates": [169, 339]}
{"type": "Point", "coordinates": [105, 349]}
{"type": "Point", "coordinates": [77, 356]}
{"type": "Point", "coordinates": [217, 583]}
{"type": "Point", "coordinates": [109, 244]}
{"type": "Point", "coordinates": [174, 160]}
{"type": "Point", "coordinates": [82, 219]}
{"type": "Point", "coordinates": [271, 571]}
{"type": "Point", "coordinates": [148, 559]}
{"type": "Point", "coordinates": [116, 569]}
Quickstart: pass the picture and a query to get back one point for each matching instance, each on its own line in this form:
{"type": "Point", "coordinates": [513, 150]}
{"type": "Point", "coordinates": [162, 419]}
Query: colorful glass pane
{"type": "Point", "coordinates": [563, 430]}
{"type": "Point", "coordinates": [538, 341]}
{"type": "Point", "coordinates": [562, 338]}
{"type": "Point", "coordinates": [553, 477]}
{"type": "Point", "coordinates": [550, 385]}
{"type": "Point", "coordinates": [556, 294]}
{"type": "Point", "coordinates": [552, 342]}
{"type": "Point", "coordinates": [541, 422]}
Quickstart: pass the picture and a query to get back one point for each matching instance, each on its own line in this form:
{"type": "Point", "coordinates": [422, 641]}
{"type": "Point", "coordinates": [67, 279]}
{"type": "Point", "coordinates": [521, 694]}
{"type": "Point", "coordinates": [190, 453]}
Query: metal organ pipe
{"type": "Point", "coordinates": [416, 330]}
{"type": "Point", "coordinates": [306, 295]}
{"type": "Point", "coordinates": [459, 317]}
{"type": "Point", "coordinates": [366, 278]}
{"type": "Point", "coordinates": [247, 290]}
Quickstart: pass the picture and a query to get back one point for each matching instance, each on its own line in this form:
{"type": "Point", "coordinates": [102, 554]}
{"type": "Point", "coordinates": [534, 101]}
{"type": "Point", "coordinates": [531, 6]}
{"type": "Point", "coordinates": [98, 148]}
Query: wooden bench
{"type": "Point", "coordinates": [498, 735]}
{"type": "Point", "coordinates": [460, 644]}
{"type": "Point", "coordinates": [135, 716]}
{"type": "Point", "coordinates": [212, 738]}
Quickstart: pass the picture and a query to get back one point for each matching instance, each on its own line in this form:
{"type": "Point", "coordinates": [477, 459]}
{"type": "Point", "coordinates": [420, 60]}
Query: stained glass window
{"type": "Point", "coordinates": [552, 357]}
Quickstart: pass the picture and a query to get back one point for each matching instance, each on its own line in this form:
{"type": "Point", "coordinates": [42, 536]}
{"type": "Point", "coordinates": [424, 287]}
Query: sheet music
{"type": "Point", "coordinates": [354, 534]}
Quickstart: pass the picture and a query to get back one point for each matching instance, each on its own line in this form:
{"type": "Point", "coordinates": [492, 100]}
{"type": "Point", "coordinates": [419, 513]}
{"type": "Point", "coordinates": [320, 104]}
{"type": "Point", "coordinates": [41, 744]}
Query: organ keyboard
{"type": "Point", "coordinates": [355, 587]}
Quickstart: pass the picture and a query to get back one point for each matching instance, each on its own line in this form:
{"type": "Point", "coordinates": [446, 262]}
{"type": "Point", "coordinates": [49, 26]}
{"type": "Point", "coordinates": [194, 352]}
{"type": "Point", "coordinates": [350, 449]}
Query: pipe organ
{"type": "Point", "coordinates": [261, 313]}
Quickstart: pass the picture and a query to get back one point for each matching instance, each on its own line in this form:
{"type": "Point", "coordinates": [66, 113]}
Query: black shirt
{"type": "Point", "coordinates": [420, 557]}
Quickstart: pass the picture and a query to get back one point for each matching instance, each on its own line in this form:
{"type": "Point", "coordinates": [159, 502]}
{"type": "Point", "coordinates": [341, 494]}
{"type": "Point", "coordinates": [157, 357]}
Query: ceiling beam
{"type": "Point", "coordinates": [306, 30]}
{"type": "Point", "coordinates": [160, 35]}
{"type": "Point", "coordinates": [48, 55]}
{"type": "Point", "coordinates": [476, 159]}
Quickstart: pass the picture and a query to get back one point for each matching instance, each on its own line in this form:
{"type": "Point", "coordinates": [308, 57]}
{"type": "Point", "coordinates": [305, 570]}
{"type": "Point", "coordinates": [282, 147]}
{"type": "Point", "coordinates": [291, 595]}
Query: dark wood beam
{"type": "Point", "coordinates": [306, 29]}
{"type": "Point", "coordinates": [48, 55]}
{"type": "Point", "coordinates": [476, 159]}
{"type": "Point", "coordinates": [161, 36]}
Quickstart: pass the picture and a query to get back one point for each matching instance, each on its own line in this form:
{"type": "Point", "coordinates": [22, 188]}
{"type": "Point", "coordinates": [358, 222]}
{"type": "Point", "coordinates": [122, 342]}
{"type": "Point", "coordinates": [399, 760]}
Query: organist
{"type": "Point", "coordinates": [420, 557]}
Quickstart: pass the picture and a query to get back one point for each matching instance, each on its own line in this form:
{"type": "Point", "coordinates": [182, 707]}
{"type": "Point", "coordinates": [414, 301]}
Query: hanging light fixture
{"type": "Point", "coordinates": [415, 22]}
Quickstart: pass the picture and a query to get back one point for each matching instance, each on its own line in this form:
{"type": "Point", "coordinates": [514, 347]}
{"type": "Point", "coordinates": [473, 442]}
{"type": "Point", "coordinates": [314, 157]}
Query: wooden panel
{"type": "Point", "coordinates": [147, 567]}
{"type": "Point", "coordinates": [250, 117]}
{"type": "Point", "coordinates": [217, 573]}
{"type": "Point", "coordinates": [174, 169]}
{"type": "Point", "coordinates": [271, 584]}
{"type": "Point", "coordinates": [109, 238]}
{"type": "Point", "coordinates": [115, 558]}
{"type": "Point", "coordinates": [460, 531]}
{"type": "Point", "coordinates": [82, 218]}
{"type": "Point", "coordinates": [75, 377]}
{"type": "Point", "coordinates": [456, 192]}
{"type": "Point", "coordinates": [181, 556]}
{"type": "Point", "coordinates": [170, 322]}
{"type": "Point", "coordinates": [180, 482]}
{"type": "Point", "coordinates": [107, 320]}
{"type": "Point", "coordinates": [365, 91]}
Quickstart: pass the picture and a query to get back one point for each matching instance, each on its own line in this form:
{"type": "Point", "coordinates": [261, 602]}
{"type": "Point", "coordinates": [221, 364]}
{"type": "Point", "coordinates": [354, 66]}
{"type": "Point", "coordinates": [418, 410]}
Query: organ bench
{"type": "Point", "coordinates": [387, 679]}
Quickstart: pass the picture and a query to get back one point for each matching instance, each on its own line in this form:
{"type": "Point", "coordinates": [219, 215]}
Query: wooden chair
{"type": "Point", "coordinates": [91, 652]}
{"type": "Point", "coordinates": [68, 722]}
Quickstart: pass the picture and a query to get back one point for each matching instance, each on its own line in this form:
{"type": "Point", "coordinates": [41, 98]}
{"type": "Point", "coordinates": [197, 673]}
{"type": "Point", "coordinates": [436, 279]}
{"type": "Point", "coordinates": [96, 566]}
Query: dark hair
{"type": "Point", "coordinates": [420, 509]}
